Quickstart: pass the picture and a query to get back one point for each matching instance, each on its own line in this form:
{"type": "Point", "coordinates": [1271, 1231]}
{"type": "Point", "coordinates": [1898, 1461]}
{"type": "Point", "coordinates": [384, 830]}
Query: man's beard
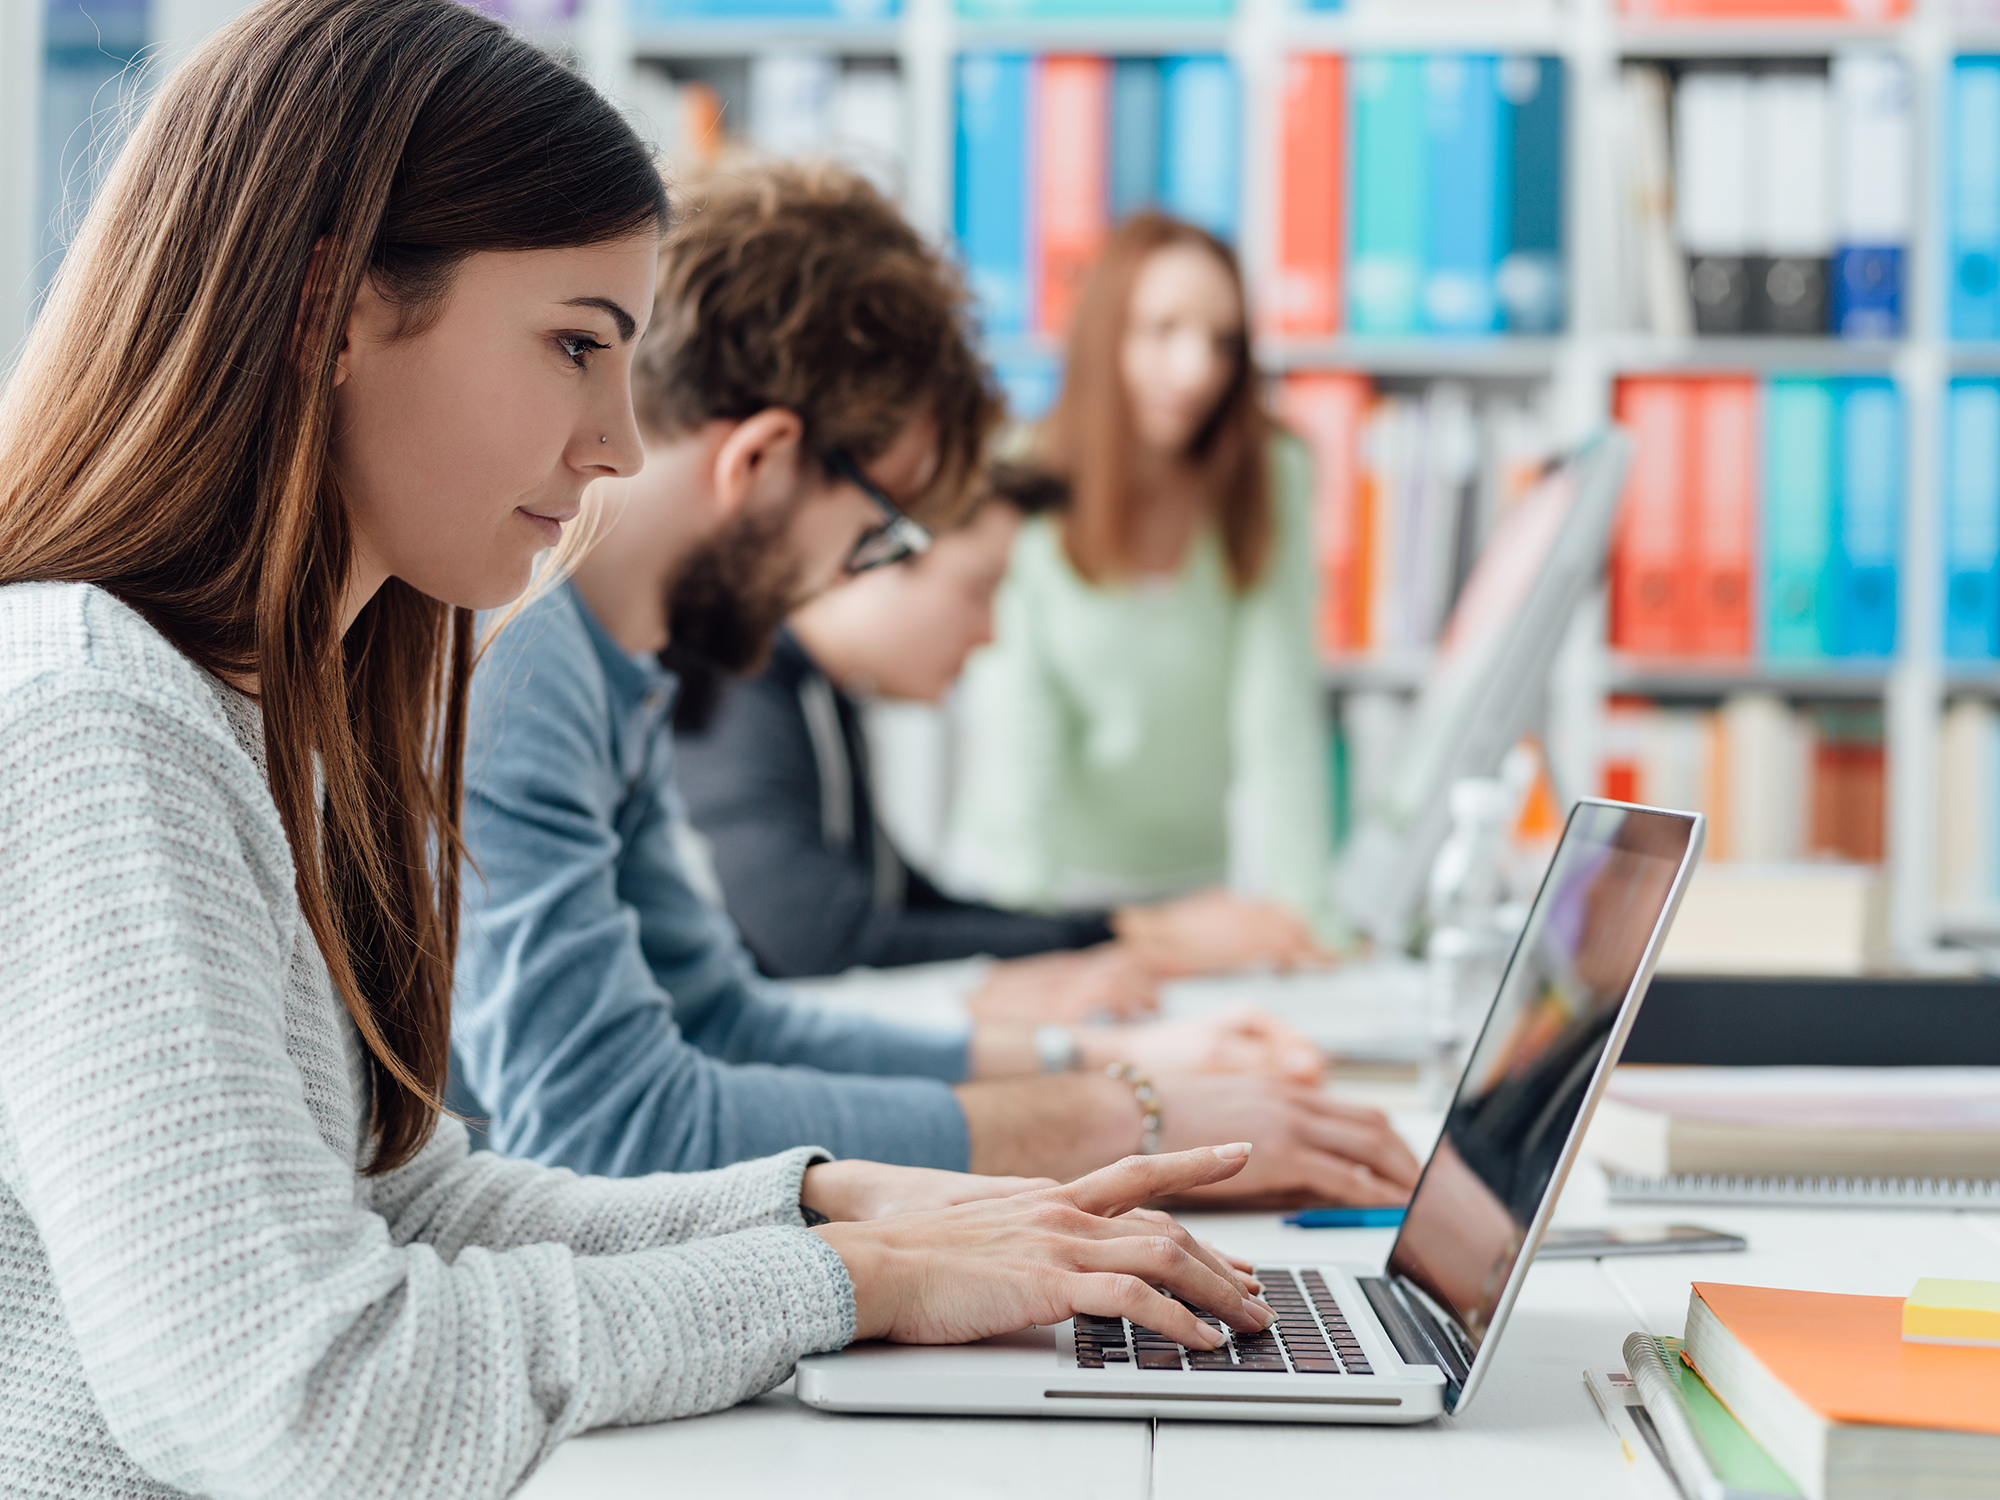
{"type": "Point", "coordinates": [724, 609]}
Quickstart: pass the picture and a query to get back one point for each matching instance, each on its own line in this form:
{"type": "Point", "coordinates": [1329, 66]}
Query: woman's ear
{"type": "Point", "coordinates": [762, 457]}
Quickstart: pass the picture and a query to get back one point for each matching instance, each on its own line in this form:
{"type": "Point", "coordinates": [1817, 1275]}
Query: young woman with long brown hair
{"type": "Point", "coordinates": [340, 345]}
{"type": "Point", "coordinates": [1154, 644]}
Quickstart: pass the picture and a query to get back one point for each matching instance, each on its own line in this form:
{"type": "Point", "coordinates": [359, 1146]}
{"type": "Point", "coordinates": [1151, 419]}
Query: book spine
{"type": "Point", "coordinates": [1306, 289]}
{"type": "Point", "coordinates": [1530, 279]}
{"type": "Point", "coordinates": [1200, 152]}
{"type": "Point", "coordinates": [1326, 409]}
{"type": "Point", "coordinates": [1972, 521]}
{"type": "Point", "coordinates": [1387, 195]}
{"type": "Point", "coordinates": [1135, 136]}
{"type": "Point", "coordinates": [1463, 127]}
{"type": "Point", "coordinates": [1975, 198]}
{"type": "Point", "coordinates": [1671, 1418]}
{"type": "Point", "coordinates": [992, 187]}
{"type": "Point", "coordinates": [1073, 105]}
{"type": "Point", "coordinates": [1798, 517]}
{"type": "Point", "coordinates": [1723, 500]}
{"type": "Point", "coordinates": [1712, 194]}
{"type": "Point", "coordinates": [1791, 201]}
{"type": "Point", "coordinates": [1872, 202]}
{"type": "Point", "coordinates": [1870, 516]}
{"type": "Point", "coordinates": [1649, 546]}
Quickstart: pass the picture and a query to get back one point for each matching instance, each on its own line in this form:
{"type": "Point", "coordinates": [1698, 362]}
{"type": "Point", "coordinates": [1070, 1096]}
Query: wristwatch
{"type": "Point", "coordinates": [1056, 1047]}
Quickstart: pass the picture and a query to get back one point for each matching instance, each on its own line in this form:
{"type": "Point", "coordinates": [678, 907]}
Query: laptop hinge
{"type": "Point", "coordinates": [1415, 1334]}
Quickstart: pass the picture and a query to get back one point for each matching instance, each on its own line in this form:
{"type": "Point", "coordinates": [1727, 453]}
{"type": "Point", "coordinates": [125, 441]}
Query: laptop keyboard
{"type": "Point", "coordinates": [1311, 1336]}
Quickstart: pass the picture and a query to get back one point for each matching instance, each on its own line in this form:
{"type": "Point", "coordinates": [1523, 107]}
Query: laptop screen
{"type": "Point", "coordinates": [1530, 1072]}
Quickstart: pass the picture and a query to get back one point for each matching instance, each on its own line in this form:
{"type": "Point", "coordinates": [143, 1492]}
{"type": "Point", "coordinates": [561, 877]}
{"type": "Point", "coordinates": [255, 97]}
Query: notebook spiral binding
{"type": "Point", "coordinates": [1808, 1192]}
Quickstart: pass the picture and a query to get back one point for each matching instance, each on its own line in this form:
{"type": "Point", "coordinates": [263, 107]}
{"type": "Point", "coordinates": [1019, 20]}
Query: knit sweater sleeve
{"type": "Point", "coordinates": [248, 1324]}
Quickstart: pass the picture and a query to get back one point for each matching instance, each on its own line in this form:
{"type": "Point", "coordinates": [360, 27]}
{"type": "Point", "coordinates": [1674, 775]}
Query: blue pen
{"type": "Point", "coordinates": [1346, 1218]}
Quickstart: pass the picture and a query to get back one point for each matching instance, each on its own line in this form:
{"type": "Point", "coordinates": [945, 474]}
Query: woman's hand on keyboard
{"type": "Point", "coordinates": [1241, 1039]}
{"type": "Point", "coordinates": [1042, 1256]}
{"type": "Point", "coordinates": [1311, 1147]}
{"type": "Point", "coordinates": [847, 1191]}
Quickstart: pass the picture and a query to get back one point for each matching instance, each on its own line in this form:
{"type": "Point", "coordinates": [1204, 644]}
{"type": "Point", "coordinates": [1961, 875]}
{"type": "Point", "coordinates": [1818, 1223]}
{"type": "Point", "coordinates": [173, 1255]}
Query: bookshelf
{"type": "Point", "coordinates": [1576, 369]}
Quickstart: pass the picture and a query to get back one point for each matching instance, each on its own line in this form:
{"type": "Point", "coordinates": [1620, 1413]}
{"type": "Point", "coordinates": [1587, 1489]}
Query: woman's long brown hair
{"type": "Point", "coordinates": [1088, 436]}
{"type": "Point", "coordinates": [167, 432]}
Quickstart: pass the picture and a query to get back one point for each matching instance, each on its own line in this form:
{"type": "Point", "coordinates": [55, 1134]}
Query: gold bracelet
{"type": "Point", "coordinates": [1148, 1100]}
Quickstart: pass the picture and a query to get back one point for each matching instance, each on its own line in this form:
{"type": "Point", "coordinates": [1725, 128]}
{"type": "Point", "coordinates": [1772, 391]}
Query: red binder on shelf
{"type": "Point", "coordinates": [1326, 409]}
{"type": "Point", "coordinates": [1072, 150]}
{"type": "Point", "coordinates": [1649, 557]}
{"type": "Point", "coordinates": [1305, 285]}
{"type": "Point", "coordinates": [1765, 10]}
{"type": "Point", "coordinates": [1722, 504]}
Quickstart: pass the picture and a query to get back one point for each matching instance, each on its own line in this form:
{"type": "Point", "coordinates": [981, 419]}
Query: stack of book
{"type": "Point", "coordinates": [1408, 486]}
{"type": "Point", "coordinates": [1777, 781]}
{"type": "Point", "coordinates": [1419, 194]}
{"type": "Point", "coordinates": [1776, 1393]}
{"type": "Point", "coordinates": [1052, 151]}
{"type": "Point", "coordinates": [1789, 493]}
{"type": "Point", "coordinates": [1772, 198]}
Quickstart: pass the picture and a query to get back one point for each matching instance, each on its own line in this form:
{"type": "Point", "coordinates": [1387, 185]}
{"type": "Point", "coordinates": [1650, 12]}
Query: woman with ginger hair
{"type": "Point", "coordinates": [1154, 646]}
{"type": "Point", "coordinates": [345, 336]}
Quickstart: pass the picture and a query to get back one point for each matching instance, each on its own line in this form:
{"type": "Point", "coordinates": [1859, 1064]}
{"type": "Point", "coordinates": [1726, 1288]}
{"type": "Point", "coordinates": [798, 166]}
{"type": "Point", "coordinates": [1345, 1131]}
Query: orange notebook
{"type": "Point", "coordinates": [1845, 1358]}
{"type": "Point", "coordinates": [1073, 143]}
{"type": "Point", "coordinates": [1305, 286]}
{"type": "Point", "coordinates": [1326, 410]}
{"type": "Point", "coordinates": [1722, 502]}
{"type": "Point", "coordinates": [1649, 558]}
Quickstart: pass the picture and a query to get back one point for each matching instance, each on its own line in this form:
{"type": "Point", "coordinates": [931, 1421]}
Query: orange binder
{"type": "Point", "coordinates": [1305, 285]}
{"type": "Point", "coordinates": [1845, 1358]}
{"type": "Point", "coordinates": [1722, 503]}
{"type": "Point", "coordinates": [1767, 10]}
{"type": "Point", "coordinates": [1649, 603]}
{"type": "Point", "coordinates": [1326, 410]}
{"type": "Point", "coordinates": [1072, 157]}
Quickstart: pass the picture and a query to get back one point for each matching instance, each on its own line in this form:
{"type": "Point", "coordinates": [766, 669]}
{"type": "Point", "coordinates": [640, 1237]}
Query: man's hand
{"type": "Point", "coordinates": [1310, 1148]}
{"type": "Point", "coordinates": [1103, 981]}
{"type": "Point", "coordinates": [846, 1191]}
{"type": "Point", "coordinates": [1214, 931]}
{"type": "Point", "coordinates": [1039, 1257]}
{"type": "Point", "coordinates": [1240, 1040]}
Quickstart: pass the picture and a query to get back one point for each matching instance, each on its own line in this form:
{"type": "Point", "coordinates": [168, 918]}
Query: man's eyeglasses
{"type": "Point", "coordinates": [896, 538]}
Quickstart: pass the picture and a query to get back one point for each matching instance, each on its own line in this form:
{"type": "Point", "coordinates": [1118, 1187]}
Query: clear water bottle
{"type": "Point", "coordinates": [1471, 931]}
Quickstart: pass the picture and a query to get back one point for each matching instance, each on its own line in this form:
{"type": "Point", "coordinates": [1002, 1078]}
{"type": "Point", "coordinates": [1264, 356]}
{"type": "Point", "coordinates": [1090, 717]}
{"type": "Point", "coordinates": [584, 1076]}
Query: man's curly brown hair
{"type": "Point", "coordinates": [798, 285]}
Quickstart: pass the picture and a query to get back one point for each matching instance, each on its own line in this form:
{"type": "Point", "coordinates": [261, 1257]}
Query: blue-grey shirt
{"type": "Point", "coordinates": [606, 1018]}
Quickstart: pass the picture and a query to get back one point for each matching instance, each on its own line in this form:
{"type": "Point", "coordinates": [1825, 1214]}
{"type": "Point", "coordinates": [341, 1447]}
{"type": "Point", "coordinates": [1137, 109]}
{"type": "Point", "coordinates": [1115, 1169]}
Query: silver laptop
{"type": "Point", "coordinates": [1358, 1343]}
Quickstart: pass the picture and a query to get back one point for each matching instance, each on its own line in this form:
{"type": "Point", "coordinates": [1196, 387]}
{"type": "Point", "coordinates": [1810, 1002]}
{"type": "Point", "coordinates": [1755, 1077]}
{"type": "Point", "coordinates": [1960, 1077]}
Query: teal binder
{"type": "Point", "coordinates": [1798, 517]}
{"type": "Point", "coordinates": [1388, 196]}
{"type": "Point", "coordinates": [1201, 142]}
{"type": "Point", "coordinates": [1869, 506]}
{"type": "Point", "coordinates": [1135, 137]}
{"type": "Point", "coordinates": [1530, 283]}
{"type": "Point", "coordinates": [1974, 206]}
{"type": "Point", "coordinates": [1466, 150]}
{"type": "Point", "coordinates": [992, 187]}
{"type": "Point", "coordinates": [1972, 521]}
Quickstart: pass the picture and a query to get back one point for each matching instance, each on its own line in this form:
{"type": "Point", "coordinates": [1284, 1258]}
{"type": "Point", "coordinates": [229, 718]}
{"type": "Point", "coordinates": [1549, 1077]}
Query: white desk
{"type": "Point", "coordinates": [1531, 1430]}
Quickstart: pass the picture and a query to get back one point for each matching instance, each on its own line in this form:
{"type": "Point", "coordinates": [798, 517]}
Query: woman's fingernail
{"type": "Point", "coordinates": [1233, 1150]}
{"type": "Point", "coordinates": [1262, 1309]}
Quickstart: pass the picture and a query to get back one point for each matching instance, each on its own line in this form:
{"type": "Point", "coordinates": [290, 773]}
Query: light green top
{"type": "Point", "coordinates": [1109, 727]}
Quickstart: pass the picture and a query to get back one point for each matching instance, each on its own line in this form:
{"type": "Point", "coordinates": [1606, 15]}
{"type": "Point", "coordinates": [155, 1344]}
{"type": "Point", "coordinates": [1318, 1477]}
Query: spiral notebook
{"type": "Point", "coordinates": [1806, 1192]}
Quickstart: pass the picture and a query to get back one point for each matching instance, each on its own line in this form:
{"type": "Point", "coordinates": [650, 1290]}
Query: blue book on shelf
{"type": "Point", "coordinates": [1798, 517]}
{"type": "Point", "coordinates": [1975, 198]}
{"type": "Point", "coordinates": [1200, 150]}
{"type": "Point", "coordinates": [1868, 291]}
{"type": "Point", "coordinates": [1530, 283]}
{"type": "Point", "coordinates": [1869, 506]}
{"type": "Point", "coordinates": [1388, 197]}
{"type": "Point", "coordinates": [1972, 521]}
{"type": "Point", "coordinates": [1030, 381]}
{"type": "Point", "coordinates": [1135, 136]}
{"type": "Point", "coordinates": [992, 187]}
{"type": "Point", "coordinates": [1469, 193]}
{"type": "Point", "coordinates": [1070, 10]}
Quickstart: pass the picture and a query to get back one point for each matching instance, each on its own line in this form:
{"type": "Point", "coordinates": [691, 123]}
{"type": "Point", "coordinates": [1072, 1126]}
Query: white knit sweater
{"type": "Point", "coordinates": [198, 1291]}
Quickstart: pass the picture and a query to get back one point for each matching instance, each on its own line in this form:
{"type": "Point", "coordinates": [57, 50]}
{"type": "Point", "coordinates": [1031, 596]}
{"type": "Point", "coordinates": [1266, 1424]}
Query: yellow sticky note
{"type": "Point", "coordinates": [1939, 1311]}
